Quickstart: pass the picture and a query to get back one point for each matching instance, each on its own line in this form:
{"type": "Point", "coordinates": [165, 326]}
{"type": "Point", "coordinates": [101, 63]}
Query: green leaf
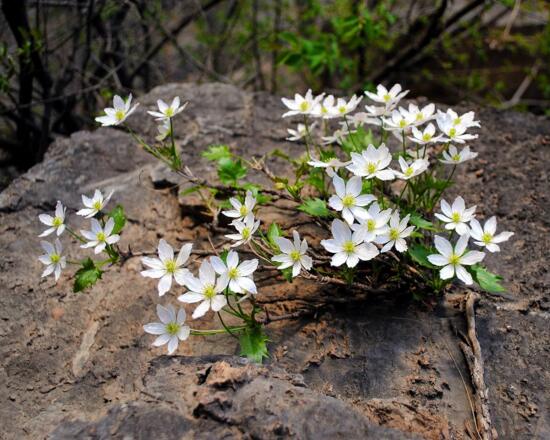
{"type": "Point", "coordinates": [287, 274]}
{"type": "Point", "coordinates": [217, 152]}
{"type": "Point", "coordinates": [419, 253]}
{"type": "Point", "coordinates": [274, 232]}
{"type": "Point", "coordinates": [422, 223]}
{"type": "Point", "coordinates": [315, 207]}
{"type": "Point", "coordinates": [315, 179]}
{"type": "Point", "coordinates": [254, 344]}
{"type": "Point", "coordinates": [488, 281]}
{"type": "Point", "coordinates": [117, 214]}
{"type": "Point", "coordinates": [190, 190]}
{"type": "Point", "coordinates": [86, 276]}
{"type": "Point", "coordinates": [229, 171]}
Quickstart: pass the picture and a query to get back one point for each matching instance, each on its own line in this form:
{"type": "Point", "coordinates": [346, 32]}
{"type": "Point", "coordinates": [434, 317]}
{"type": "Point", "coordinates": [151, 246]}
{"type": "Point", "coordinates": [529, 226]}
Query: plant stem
{"type": "Point", "coordinates": [75, 235]}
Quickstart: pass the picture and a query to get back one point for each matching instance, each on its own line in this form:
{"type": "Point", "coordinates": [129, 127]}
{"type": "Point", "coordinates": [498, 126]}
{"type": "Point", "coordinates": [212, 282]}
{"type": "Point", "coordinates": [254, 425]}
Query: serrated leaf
{"type": "Point", "coordinates": [315, 207]}
{"type": "Point", "coordinates": [253, 343]}
{"type": "Point", "coordinates": [117, 214]}
{"type": "Point", "coordinates": [86, 276]}
{"type": "Point", "coordinates": [230, 171]}
{"type": "Point", "coordinates": [419, 253]}
{"type": "Point", "coordinates": [488, 281]}
{"type": "Point", "coordinates": [274, 232]}
{"type": "Point", "coordinates": [217, 152]}
{"type": "Point", "coordinates": [421, 222]}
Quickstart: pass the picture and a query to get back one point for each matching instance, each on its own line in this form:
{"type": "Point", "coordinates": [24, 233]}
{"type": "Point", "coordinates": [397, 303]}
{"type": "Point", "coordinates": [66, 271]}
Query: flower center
{"type": "Point", "coordinates": [119, 115]}
{"type": "Point", "coordinates": [394, 234]}
{"type": "Point", "coordinates": [246, 233]}
{"type": "Point", "coordinates": [243, 210]}
{"type": "Point", "coordinates": [457, 121]}
{"type": "Point", "coordinates": [169, 112]}
{"type": "Point", "coordinates": [233, 273]}
{"type": "Point", "coordinates": [455, 217]}
{"type": "Point", "coordinates": [486, 238]}
{"type": "Point", "coordinates": [348, 201]}
{"type": "Point", "coordinates": [209, 291]}
{"type": "Point", "coordinates": [170, 266]}
{"type": "Point", "coordinates": [304, 106]}
{"type": "Point", "coordinates": [371, 225]}
{"type": "Point", "coordinates": [172, 328]}
{"type": "Point", "coordinates": [387, 97]}
{"type": "Point", "coordinates": [97, 205]}
{"type": "Point", "coordinates": [452, 132]}
{"type": "Point", "coordinates": [409, 172]}
{"type": "Point", "coordinates": [54, 258]}
{"type": "Point", "coordinates": [426, 137]}
{"type": "Point", "coordinates": [295, 255]}
{"type": "Point", "coordinates": [456, 157]}
{"type": "Point", "coordinates": [371, 168]}
{"type": "Point", "coordinates": [57, 221]}
{"type": "Point", "coordinates": [324, 110]}
{"type": "Point", "coordinates": [454, 259]}
{"type": "Point", "coordinates": [342, 109]}
{"type": "Point", "coordinates": [419, 116]}
{"type": "Point", "coordinates": [101, 236]}
{"type": "Point", "coordinates": [402, 123]}
{"type": "Point", "coordinates": [348, 247]}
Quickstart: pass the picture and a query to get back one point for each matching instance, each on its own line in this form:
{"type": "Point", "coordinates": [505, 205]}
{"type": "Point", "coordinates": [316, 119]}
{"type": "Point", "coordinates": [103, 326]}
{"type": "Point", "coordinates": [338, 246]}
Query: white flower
{"type": "Point", "coordinates": [372, 163]}
{"type": "Point", "coordinates": [408, 171]}
{"type": "Point", "coordinates": [374, 224]}
{"type": "Point", "coordinates": [456, 133]}
{"type": "Point", "coordinates": [348, 247]}
{"type": "Point", "coordinates": [301, 105]}
{"type": "Point", "coordinates": [331, 165]}
{"type": "Point", "coordinates": [205, 290]}
{"type": "Point", "coordinates": [361, 118]}
{"type": "Point", "coordinates": [336, 138]}
{"type": "Point", "coordinates": [99, 237]}
{"type": "Point", "coordinates": [348, 198]}
{"type": "Point", "coordinates": [398, 121]}
{"type": "Point", "coordinates": [395, 234]}
{"type": "Point", "coordinates": [164, 130]}
{"type": "Point", "coordinates": [55, 223]}
{"type": "Point", "coordinates": [95, 204]}
{"type": "Point", "coordinates": [420, 153]}
{"type": "Point", "coordinates": [486, 236]}
{"type": "Point", "coordinates": [293, 254]}
{"type": "Point", "coordinates": [465, 120]}
{"type": "Point", "coordinates": [377, 112]}
{"type": "Point", "coordinates": [54, 261]}
{"type": "Point", "coordinates": [168, 111]}
{"type": "Point", "coordinates": [245, 230]}
{"type": "Point", "coordinates": [419, 116]}
{"type": "Point", "coordinates": [170, 328]}
{"type": "Point", "coordinates": [241, 210]}
{"type": "Point", "coordinates": [324, 108]}
{"type": "Point", "coordinates": [237, 276]}
{"type": "Point", "coordinates": [300, 132]}
{"type": "Point", "coordinates": [165, 267]}
{"type": "Point", "coordinates": [342, 107]}
{"type": "Point", "coordinates": [454, 259]}
{"type": "Point", "coordinates": [118, 113]}
{"type": "Point", "coordinates": [453, 157]}
{"type": "Point", "coordinates": [456, 216]}
{"type": "Point", "coordinates": [388, 98]}
{"type": "Point", "coordinates": [426, 136]}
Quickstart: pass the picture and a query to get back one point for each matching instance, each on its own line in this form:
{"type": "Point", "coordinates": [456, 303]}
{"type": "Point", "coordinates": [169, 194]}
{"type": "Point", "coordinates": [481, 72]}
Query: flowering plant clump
{"type": "Point", "coordinates": [370, 181]}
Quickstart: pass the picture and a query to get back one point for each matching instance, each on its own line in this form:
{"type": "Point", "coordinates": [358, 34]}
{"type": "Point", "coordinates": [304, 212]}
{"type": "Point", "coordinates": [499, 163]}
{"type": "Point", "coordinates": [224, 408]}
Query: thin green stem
{"type": "Point", "coordinates": [227, 329]}
{"type": "Point", "coordinates": [75, 235]}
{"type": "Point", "coordinates": [196, 332]}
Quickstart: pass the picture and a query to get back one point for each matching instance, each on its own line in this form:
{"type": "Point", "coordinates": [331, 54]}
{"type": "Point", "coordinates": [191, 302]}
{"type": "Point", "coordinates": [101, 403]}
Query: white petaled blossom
{"type": "Point", "coordinates": [245, 230]}
{"type": "Point", "coordinates": [118, 113]}
{"type": "Point", "coordinates": [344, 107]}
{"type": "Point", "coordinates": [324, 108]}
{"type": "Point", "coordinates": [241, 210]}
{"type": "Point", "coordinates": [348, 248]}
{"type": "Point", "coordinates": [419, 116]}
{"type": "Point", "coordinates": [56, 222]}
{"type": "Point", "coordinates": [465, 120]}
{"type": "Point", "coordinates": [337, 137]}
{"type": "Point", "coordinates": [398, 121]}
{"type": "Point", "coordinates": [413, 169]}
{"type": "Point", "coordinates": [301, 105]}
{"type": "Point", "coordinates": [453, 133]}
{"type": "Point", "coordinates": [486, 236]}
{"type": "Point", "coordinates": [361, 118]}
{"type": "Point", "coordinates": [53, 259]}
{"type": "Point", "coordinates": [205, 290]}
{"type": "Point", "coordinates": [420, 153]}
{"type": "Point", "coordinates": [374, 224]}
{"type": "Point", "coordinates": [237, 276]}
{"type": "Point", "coordinates": [389, 98]}
{"type": "Point", "coordinates": [293, 254]}
{"type": "Point", "coordinates": [94, 204]}
{"type": "Point", "coordinates": [99, 237]}
{"type": "Point", "coordinates": [453, 157]}
{"type": "Point", "coordinates": [395, 234]}
{"type": "Point", "coordinates": [348, 198]}
{"type": "Point", "coordinates": [331, 165]}
{"type": "Point", "coordinates": [375, 113]}
{"type": "Point", "coordinates": [170, 329]}
{"type": "Point", "coordinates": [426, 136]}
{"type": "Point", "coordinates": [453, 259]}
{"type": "Point", "coordinates": [166, 266]}
{"type": "Point", "coordinates": [300, 132]}
{"type": "Point", "coordinates": [167, 112]}
{"type": "Point", "coordinates": [372, 162]}
{"type": "Point", "coordinates": [456, 216]}
{"type": "Point", "coordinates": [164, 129]}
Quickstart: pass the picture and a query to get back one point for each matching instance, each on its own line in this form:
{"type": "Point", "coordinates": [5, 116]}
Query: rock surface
{"type": "Point", "coordinates": [79, 365]}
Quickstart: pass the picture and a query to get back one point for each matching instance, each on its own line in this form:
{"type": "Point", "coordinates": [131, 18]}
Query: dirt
{"type": "Point", "coordinates": [80, 366]}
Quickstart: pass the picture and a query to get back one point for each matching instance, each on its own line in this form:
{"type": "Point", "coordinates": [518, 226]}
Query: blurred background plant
{"type": "Point", "coordinates": [60, 60]}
